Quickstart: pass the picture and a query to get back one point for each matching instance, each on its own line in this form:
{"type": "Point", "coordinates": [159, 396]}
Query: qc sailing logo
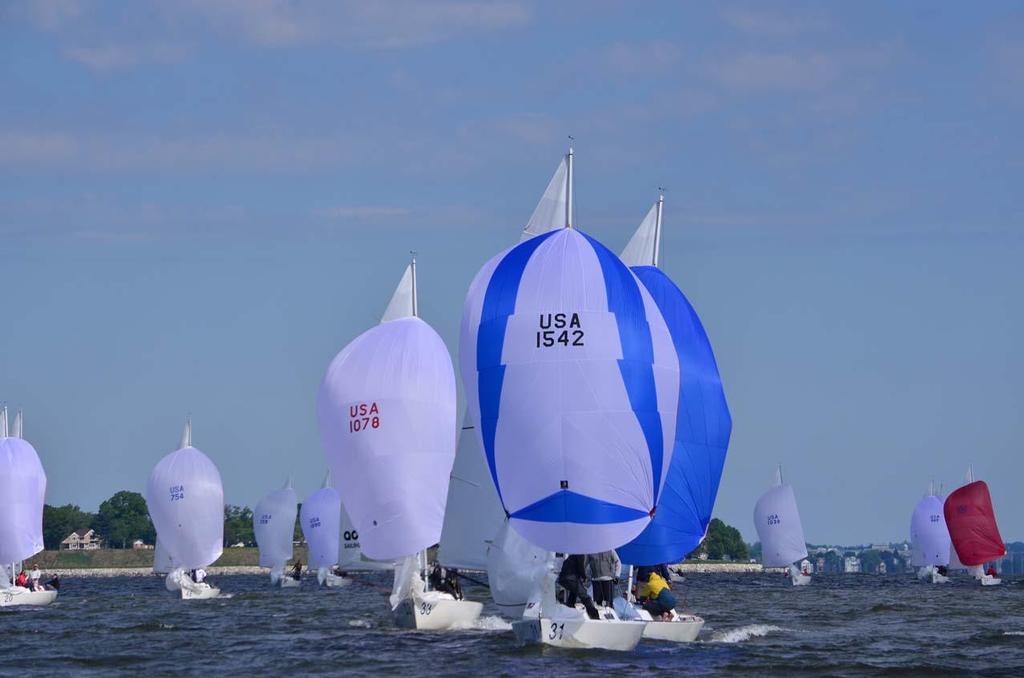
{"type": "Point", "coordinates": [559, 328]}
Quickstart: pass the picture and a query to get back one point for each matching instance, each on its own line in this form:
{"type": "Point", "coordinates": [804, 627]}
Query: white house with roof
{"type": "Point", "coordinates": [81, 540]}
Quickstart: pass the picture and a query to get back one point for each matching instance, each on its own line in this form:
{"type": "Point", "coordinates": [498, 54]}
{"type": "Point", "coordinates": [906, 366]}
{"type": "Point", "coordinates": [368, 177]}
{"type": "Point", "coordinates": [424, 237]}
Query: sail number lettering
{"type": "Point", "coordinates": [362, 416]}
{"type": "Point", "coordinates": [559, 328]}
{"type": "Point", "coordinates": [265, 519]}
{"type": "Point", "coordinates": [177, 492]}
{"type": "Point", "coordinates": [934, 517]}
{"type": "Point", "coordinates": [774, 519]}
{"type": "Point", "coordinates": [314, 522]}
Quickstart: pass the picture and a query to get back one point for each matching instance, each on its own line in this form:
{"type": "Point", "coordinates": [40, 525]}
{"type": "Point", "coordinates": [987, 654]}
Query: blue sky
{"type": "Point", "coordinates": [202, 202]}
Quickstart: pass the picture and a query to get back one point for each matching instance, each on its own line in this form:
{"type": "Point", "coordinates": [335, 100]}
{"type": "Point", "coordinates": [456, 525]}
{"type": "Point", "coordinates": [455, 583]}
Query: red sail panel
{"type": "Point", "coordinates": [972, 524]}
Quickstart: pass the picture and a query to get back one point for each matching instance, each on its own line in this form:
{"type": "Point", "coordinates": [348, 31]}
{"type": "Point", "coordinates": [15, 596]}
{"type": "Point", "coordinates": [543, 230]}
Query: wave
{"type": "Point", "coordinates": [1013, 633]}
{"type": "Point", "coordinates": [744, 633]}
{"type": "Point", "coordinates": [360, 623]}
{"type": "Point", "coordinates": [491, 623]}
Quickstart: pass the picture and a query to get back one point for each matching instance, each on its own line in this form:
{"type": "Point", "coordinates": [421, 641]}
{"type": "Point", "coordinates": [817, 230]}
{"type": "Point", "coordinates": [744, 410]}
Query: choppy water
{"type": "Point", "coordinates": [756, 625]}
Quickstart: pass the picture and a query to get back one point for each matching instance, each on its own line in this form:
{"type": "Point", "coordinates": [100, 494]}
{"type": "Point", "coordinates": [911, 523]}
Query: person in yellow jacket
{"type": "Point", "coordinates": [659, 599]}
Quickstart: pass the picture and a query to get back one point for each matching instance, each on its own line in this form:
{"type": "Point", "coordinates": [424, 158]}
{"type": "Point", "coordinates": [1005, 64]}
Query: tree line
{"type": "Point", "coordinates": [124, 517]}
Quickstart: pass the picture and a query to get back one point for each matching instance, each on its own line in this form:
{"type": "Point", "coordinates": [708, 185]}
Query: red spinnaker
{"type": "Point", "coordinates": [972, 524]}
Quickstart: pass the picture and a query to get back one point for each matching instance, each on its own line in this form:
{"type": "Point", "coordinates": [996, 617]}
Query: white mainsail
{"type": "Point", "coordinates": [474, 514]}
{"type": "Point", "coordinates": [18, 424]}
{"type": "Point", "coordinates": [273, 524]}
{"type": "Point", "coordinates": [514, 568]}
{"type": "Point", "coordinates": [162, 561]}
{"type": "Point", "coordinates": [387, 415]}
{"type": "Point", "coordinates": [22, 494]}
{"type": "Point", "coordinates": [643, 248]}
{"type": "Point", "coordinates": [550, 212]}
{"type": "Point", "coordinates": [778, 526]}
{"type": "Point", "coordinates": [403, 301]}
{"type": "Point", "coordinates": [321, 518]}
{"type": "Point", "coordinates": [186, 502]}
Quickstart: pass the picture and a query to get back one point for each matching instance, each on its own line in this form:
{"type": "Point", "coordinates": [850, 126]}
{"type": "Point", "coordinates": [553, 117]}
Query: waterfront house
{"type": "Point", "coordinates": [81, 540]}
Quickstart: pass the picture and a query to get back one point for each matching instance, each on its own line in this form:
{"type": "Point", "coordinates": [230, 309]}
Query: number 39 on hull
{"type": "Point", "coordinates": [438, 613]}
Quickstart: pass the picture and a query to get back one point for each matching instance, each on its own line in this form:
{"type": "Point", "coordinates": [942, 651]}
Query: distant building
{"type": "Point", "coordinates": [819, 565]}
{"type": "Point", "coordinates": [139, 545]}
{"type": "Point", "coordinates": [881, 567]}
{"type": "Point", "coordinates": [851, 564]}
{"type": "Point", "coordinates": [81, 540]}
{"type": "Point", "coordinates": [880, 547]}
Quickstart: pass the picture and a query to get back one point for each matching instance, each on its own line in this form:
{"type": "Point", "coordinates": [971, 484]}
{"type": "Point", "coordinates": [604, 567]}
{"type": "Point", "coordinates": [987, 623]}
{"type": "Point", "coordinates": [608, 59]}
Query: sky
{"type": "Point", "coordinates": [201, 203]}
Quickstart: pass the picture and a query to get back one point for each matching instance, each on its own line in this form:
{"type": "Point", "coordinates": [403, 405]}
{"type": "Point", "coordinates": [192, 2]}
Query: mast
{"type": "Point", "coordinates": [415, 305]}
{"type": "Point", "coordinates": [16, 430]}
{"type": "Point", "coordinates": [3, 422]}
{"type": "Point", "coordinates": [970, 474]}
{"type": "Point", "coordinates": [568, 187]}
{"type": "Point", "coordinates": [657, 226]}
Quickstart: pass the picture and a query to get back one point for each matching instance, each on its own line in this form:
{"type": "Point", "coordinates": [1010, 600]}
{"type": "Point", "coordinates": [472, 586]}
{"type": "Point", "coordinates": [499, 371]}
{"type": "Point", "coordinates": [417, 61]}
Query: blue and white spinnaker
{"type": "Point", "coordinates": [572, 378]}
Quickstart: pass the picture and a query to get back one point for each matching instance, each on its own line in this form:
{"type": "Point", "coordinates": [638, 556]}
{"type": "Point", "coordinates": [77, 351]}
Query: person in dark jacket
{"type": "Point", "coordinates": [573, 578]}
{"type": "Point", "coordinates": [604, 572]}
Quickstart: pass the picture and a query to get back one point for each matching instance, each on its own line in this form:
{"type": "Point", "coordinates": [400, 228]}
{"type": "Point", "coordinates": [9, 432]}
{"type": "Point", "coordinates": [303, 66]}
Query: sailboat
{"type": "Point", "coordinates": [573, 382]}
{"type": "Point", "coordinates": [972, 528]}
{"type": "Point", "coordinates": [387, 415]}
{"type": "Point", "coordinates": [186, 502]}
{"type": "Point", "coordinates": [321, 520]}
{"type": "Point", "coordinates": [703, 427]}
{"type": "Point", "coordinates": [22, 493]}
{"type": "Point", "coordinates": [273, 525]}
{"type": "Point", "coordinates": [778, 527]}
{"type": "Point", "coordinates": [929, 538]}
{"type": "Point", "coordinates": [475, 535]}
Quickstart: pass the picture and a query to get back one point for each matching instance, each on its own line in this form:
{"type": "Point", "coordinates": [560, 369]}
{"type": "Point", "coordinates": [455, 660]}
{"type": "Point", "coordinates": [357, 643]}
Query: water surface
{"type": "Point", "coordinates": [852, 625]}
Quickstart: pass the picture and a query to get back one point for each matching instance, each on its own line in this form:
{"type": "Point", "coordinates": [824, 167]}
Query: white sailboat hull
{"type": "Point", "coordinates": [436, 612]}
{"type": "Point", "coordinates": [939, 579]}
{"type": "Point", "coordinates": [989, 580]}
{"type": "Point", "coordinates": [801, 579]}
{"type": "Point", "coordinates": [682, 629]}
{"type": "Point", "coordinates": [333, 581]}
{"type": "Point", "coordinates": [201, 591]}
{"type": "Point", "coordinates": [290, 582]}
{"type": "Point", "coordinates": [17, 595]}
{"type": "Point", "coordinates": [585, 633]}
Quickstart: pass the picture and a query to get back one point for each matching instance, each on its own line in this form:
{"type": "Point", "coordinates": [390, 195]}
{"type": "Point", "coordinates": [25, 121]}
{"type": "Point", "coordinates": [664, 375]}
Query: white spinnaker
{"type": "Point", "coordinates": [162, 561]}
{"type": "Point", "coordinates": [928, 534]}
{"type": "Point", "coordinates": [22, 494]}
{"type": "Point", "coordinates": [273, 524]}
{"type": "Point", "coordinates": [351, 558]}
{"type": "Point", "coordinates": [565, 413]}
{"type": "Point", "coordinates": [186, 502]}
{"type": "Point", "coordinates": [321, 520]}
{"type": "Point", "coordinates": [550, 211]}
{"type": "Point", "coordinates": [640, 251]}
{"type": "Point", "coordinates": [473, 515]}
{"type": "Point", "coordinates": [778, 526]}
{"type": "Point", "coordinates": [401, 304]}
{"type": "Point", "coordinates": [387, 420]}
{"type": "Point", "coordinates": [515, 570]}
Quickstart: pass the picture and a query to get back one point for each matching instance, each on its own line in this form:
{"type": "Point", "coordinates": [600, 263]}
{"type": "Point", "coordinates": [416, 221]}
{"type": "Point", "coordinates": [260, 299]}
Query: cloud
{"type": "Point", "coordinates": [383, 24]}
{"type": "Point", "coordinates": [362, 213]}
{"type": "Point", "coordinates": [650, 57]}
{"type": "Point", "coordinates": [765, 71]}
{"type": "Point", "coordinates": [113, 57]}
{"type": "Point", "coordinates": [769, 24]}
